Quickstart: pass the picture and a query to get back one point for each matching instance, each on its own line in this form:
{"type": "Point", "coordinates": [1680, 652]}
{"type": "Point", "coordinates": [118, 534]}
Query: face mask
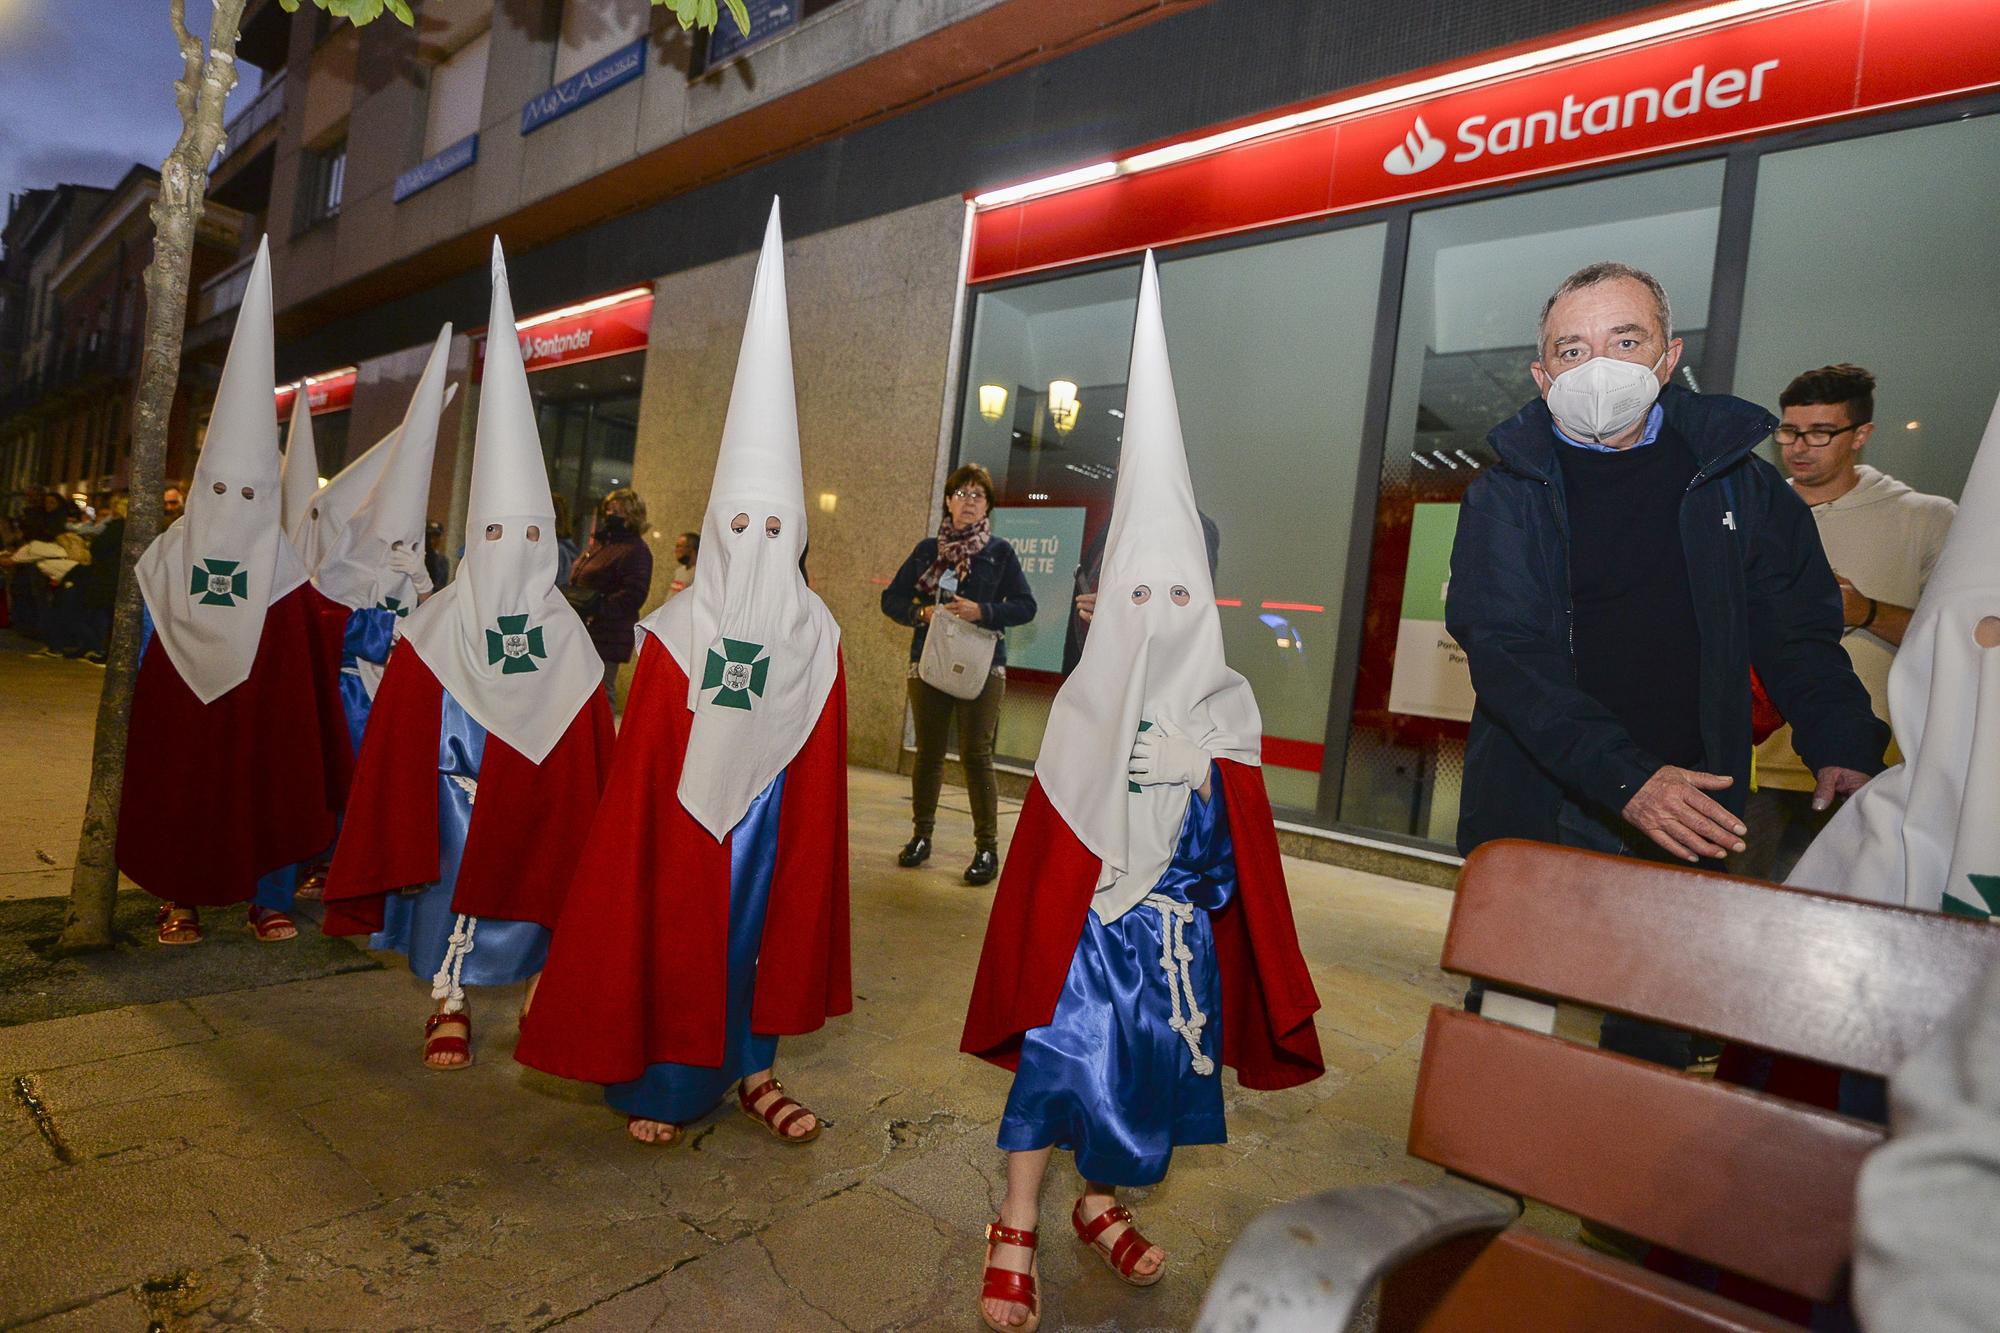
{"type": "Point", "coordinates": [1603, 397]}
{"type": "Point", "coordinates": [614, 525]}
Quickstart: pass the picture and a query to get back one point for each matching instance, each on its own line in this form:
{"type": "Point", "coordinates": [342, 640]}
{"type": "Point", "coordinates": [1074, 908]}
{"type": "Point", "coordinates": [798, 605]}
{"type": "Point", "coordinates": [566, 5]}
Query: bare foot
{"type": "Point", "coordinates": [1013, 1259]}
{"type": "Point", "coordinates": [448, 1041]}
{"type": "Point", "coordinates": [652, 1131]}
{"type": "Point", "coordinates": [1149, 1263]}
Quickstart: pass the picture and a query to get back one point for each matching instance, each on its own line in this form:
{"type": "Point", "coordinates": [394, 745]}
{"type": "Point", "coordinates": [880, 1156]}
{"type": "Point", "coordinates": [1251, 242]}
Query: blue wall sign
{"type": "Point", "coordinates": [768, 18]}
{"type": "Point", "coordinates": [436, 167]}
{"type": "Point", "coordinates": [615, 70]}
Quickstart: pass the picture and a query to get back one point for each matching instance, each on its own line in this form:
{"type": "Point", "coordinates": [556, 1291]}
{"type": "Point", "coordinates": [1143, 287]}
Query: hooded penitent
{"type": "Point", "coordinates": [209, 579]}
{"type": "Point", "coordinates": [298, 478]}
{"type": "Point", "coordinates": [1154, 655]}
{"type": "Point", "coordinates": [356, 572]}
{"type": "Point", "coordinates": [333, 505]}
{"type": "Point", "coordinates": [759, 647]}
{"type": "Point", "coordinates": [1926, 833]}
{"type": "Point", "coordinates": [499, 637]}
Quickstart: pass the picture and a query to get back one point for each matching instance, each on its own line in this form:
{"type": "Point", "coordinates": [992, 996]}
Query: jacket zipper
{"type": "Point", "coordinates": [1569, 598]}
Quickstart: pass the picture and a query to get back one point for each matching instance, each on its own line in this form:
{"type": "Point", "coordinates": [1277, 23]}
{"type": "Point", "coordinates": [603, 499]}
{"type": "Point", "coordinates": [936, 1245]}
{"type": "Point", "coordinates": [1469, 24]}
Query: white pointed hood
{"type": "Point", "coordinates": [1154, 654]}
{"type": "Point", "coordinates": [333, 504]}
{"type": "Point", "coordinates": [759, 647]}
{"type": "Point", "coordinates": [356, 571]}
{"type": "Point", "coordinates": [209, 579]}
{"type": "Point", "coordinates": [298, 478]}
{"type": "Point", "coordinates": [1926, 833]}
{"type": "Point", "coordinates": [499, 636]}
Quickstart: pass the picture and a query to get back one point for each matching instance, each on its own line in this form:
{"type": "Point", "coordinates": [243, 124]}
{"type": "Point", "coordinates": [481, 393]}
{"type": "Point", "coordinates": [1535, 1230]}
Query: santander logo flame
{"type": "Point", "coordinates": [1419, 151]}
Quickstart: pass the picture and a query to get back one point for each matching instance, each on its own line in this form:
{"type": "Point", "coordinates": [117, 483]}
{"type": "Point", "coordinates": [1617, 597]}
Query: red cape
{"type": "Point", "coordinates": [220, 793]}
{"type": "Point", "coordinates": [528, 820]}
{"type": "Point", "coordinates": [637, 971]}
{"type": "Point", "coordinates": [329, 632]}
{"type": "Point", "coordinates": [1267, 996]}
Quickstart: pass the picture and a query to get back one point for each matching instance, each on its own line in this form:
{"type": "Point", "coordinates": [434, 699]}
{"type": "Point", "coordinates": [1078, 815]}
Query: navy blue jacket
{"type": "Point", "coordinates": [1547, 761]}
{"type": "Point", "coordinates": [995, 581]}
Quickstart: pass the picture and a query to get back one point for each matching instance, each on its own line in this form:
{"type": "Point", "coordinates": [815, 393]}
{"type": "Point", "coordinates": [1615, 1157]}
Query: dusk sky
{"type": "Point", "coordinates": [90, 87]}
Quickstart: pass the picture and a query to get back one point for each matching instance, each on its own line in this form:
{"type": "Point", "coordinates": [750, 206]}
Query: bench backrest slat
{"type": "Point", "coordinates": [1847, 983]}
{"type": "Point", "coordinates": [1747, 1181]}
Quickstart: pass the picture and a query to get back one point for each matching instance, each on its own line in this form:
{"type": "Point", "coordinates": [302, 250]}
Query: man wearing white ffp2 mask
{"type": "Point", "coordinates": [1614, 579]}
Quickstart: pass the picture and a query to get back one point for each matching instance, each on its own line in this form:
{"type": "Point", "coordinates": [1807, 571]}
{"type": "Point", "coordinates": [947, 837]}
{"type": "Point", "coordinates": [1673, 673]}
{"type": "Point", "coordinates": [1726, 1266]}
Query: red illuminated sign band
{"type": "Point", "coordinates": [1795, 65]}
{"type": "Point", "coordinates": [331, 393]}
{"type": "Point", "coordinates": [588, 335]}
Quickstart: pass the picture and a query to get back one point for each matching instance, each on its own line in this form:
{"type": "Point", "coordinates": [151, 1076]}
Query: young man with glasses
{"type": "Point", "coordinates": [1882, 539]}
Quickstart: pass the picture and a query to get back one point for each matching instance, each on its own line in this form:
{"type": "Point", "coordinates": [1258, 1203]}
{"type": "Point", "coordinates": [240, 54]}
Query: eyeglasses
{"type": "Point", "coordinates": [967, 493]}
{"type": "Point", "coordinates": [1816, 437]}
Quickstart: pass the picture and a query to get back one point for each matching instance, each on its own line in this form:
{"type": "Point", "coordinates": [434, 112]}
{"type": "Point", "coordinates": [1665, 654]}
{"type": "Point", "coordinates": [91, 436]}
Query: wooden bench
{"type": "Point", "coordinates": [1748, 1182]}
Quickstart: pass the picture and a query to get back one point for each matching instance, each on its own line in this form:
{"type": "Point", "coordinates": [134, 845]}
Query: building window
{"type": "Point", "coordinates": [457, 91]}
{"type": "Point", "coordinates": [594, 29]}
{"type": "Point", "coordinates": [1842, 268]}
{"type": "Point", "coordinates": [324, 178]}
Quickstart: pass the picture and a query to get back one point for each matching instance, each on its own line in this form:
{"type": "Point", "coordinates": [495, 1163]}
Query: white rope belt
{"type": "Point", "coordinates": [445, 985]}
{"type": "Point", "coordinates": [1175, 956]}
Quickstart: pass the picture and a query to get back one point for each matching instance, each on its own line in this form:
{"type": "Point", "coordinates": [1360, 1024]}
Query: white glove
{"type": "Point", "coordinates": [405, 560]}
{"type": "Point", "coordinates": [1163, 755]}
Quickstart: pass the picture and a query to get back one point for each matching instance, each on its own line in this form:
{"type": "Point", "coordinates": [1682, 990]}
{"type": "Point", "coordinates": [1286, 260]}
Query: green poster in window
{"type": "Point", "coordinates": [1048, 541]}
{"type": "Point", "coordinates": [1431, 678]}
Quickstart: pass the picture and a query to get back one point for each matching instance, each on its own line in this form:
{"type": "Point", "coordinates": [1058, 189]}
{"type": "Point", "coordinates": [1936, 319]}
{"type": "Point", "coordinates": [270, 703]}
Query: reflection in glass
{"type": "Point", "coordinates": [588, 416]}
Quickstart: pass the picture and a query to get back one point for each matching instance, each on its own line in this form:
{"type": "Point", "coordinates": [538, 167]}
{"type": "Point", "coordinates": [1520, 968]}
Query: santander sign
{"type": "Point", "coordinates": [1480, 136]}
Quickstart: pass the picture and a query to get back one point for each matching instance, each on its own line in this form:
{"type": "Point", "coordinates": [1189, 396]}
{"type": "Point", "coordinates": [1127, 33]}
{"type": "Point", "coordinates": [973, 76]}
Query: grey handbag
{"type": "Point", "coordinates": [957, 655]}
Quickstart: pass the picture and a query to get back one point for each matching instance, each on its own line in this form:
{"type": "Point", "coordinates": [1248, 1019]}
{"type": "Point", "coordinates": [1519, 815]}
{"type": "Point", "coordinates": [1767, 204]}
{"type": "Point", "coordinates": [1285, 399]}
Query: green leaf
{"type": "Point", "coordinates": [741, 13]}
{"type": "Point", "coordinates": [401, 9]}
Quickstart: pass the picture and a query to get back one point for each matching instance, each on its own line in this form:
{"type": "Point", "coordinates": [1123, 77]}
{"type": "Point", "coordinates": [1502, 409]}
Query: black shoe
{"type": "Point", "coordinates": [985, 865]}
{"type": "Point", "coordinates": [915, 852]}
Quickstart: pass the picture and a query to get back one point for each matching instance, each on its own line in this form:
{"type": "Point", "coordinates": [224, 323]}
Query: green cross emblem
{"type": "Point", "coordinates": [1982, 904]}
{"type": "Point", "coordinates": [736, 673]}
{"type": "Point", "coordinates": [514, 645]}
{"type": "Point", "coordinates": [396, 604]}
{"type": "Point", "coordinates": [220, 582]}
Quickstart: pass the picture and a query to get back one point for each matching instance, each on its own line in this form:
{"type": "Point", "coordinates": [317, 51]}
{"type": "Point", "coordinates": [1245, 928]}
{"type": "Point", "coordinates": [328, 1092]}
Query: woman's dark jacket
{"type": "Point", "coordinates": [995, 581]}
{"type": "Point", "coordinates": [1547, 761]}
{"type": "Point", "coordinates": [620, 567]}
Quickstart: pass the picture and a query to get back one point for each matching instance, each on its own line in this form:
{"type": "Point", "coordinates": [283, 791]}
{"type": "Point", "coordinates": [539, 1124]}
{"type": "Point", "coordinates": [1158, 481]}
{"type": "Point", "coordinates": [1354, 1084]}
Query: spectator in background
{"type": "Point", "coordinates": [1614, 578]}
{"type": "Point", "coordinates": [80, 613]}
{"type": "Point", "coordinates": [1883, 540]}
{"type": "Point", "coordinates": [686, 547]}
{"type": "Point", "coordinates": [565, 540]}
{"type": "Point", "coordinates": [964, 571]}
{"type": "Point", "coordinates": [608, 583]}
{"type": "Point", "coordinates": [173, 503]}
{"type": "Point", "coordinates": [435, 564]}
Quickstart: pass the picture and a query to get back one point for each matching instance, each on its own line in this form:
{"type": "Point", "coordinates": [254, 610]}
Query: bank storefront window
{"type": "Point", "coordinates": [589, 420]}
{"type": "Point", "coordinates": [1845, 267]}
{"type": "Point", "coordinates": [1474, 283]}
{"type": "Point", "coordinates": [1271, 351]}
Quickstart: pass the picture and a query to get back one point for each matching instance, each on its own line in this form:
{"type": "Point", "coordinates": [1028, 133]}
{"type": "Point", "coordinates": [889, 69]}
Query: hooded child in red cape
{"type": "Point", "coordinates": [1141, 936]}
{"type": "Point", "coordinates": [232, 691]}
{"type": "Point", "coordinates": [487, 744]}
{"type": "Point", "coordinates": [708, 916]}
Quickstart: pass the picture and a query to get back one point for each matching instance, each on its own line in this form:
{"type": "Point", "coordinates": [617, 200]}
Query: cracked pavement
{"type": "Point", "coordinates": [279, 1158]}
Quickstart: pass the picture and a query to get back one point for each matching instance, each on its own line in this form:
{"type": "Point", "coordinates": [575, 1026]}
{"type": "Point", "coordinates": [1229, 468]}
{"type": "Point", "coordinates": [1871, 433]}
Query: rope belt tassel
{"type": "Point", "coordinates": [1175, 957]}
{"type": "Point", "coordinates": [445, 985]}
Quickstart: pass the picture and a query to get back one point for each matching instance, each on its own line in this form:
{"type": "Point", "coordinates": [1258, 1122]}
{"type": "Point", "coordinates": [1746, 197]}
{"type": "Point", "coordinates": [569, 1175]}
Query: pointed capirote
{"type": "Point", "coordinates": [1154, 654]}
{"type": "Point", "coordinates": [759, 455]}
{"type": "Point", "coordinates": [209, 579]}
{"type": "Point", "coordinates": [509, 478]}
{"type": "Point", "coordinates": [298, 478]}
{"type": "Point", "coordinates": [356, 572]}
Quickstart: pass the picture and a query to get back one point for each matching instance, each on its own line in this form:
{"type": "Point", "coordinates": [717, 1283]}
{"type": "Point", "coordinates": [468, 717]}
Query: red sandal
{"type": "Point", "coordinates": [178, 925]}
{"type": "Point", "coordinates": [1004, 1284]}
{"type": "Point", "coordinates": [448, 1044]}
{"type": "Point", "coordinates": [271, 926]}
{"type": "Point", "coordinates": [1123, 1254]}
{"type": "Point", "coordinates": [780, 1115]}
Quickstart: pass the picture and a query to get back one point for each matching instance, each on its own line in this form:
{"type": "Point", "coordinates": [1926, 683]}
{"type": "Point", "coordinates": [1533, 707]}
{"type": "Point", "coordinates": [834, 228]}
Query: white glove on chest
{"type": "Point", "coordinates": [1161, 756]}
{"type": "Point", "coordinates": [405, 560]}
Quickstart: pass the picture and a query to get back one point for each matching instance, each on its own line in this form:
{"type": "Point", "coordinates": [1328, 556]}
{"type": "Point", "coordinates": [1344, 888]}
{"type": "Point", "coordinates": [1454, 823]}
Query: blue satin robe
{"type": "Point", "coordinates": [275, 888]}
{"type": "Point", "coordinates": [370, 634]}
{"type": "Point", "coordinates": [678, 1094]}
{"type": "Point", "coordinates": [1108, 1079]}
{"type": "Point", "coordinates": [420, 924]}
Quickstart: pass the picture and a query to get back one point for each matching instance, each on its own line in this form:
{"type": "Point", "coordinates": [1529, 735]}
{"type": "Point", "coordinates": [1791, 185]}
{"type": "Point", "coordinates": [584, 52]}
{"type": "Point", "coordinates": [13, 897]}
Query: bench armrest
{"type": "Point", "coordinates": [1308, 1265]}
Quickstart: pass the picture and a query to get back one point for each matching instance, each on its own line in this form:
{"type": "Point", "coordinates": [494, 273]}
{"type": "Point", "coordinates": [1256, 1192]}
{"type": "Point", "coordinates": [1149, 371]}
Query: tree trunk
{"type": "Point", "coordinates": [200, 92]}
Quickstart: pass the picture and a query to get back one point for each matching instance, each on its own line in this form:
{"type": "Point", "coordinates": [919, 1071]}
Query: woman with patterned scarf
{"type": "Point", "coordinates": [964, 571]}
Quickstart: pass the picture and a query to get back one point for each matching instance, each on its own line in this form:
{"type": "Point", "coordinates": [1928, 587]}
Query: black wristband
{"type": "Point", "coordinates": [1873, 607]}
